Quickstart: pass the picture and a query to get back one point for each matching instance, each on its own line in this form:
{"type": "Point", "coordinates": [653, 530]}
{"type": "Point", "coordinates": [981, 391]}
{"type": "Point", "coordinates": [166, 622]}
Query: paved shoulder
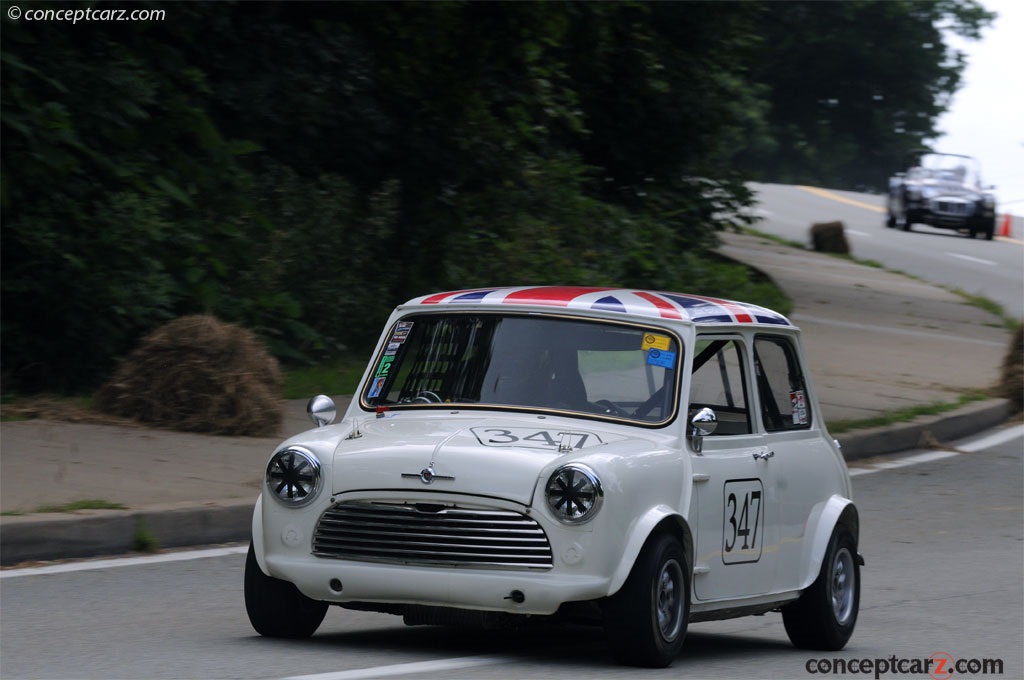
{"type": "Point", "coordinates": [878, 341]}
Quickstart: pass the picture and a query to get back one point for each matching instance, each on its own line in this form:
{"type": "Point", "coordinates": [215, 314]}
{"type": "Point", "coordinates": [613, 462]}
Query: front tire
{"type": "Point", "coordinates": [646, 620]}
{"type": "Point", "coordinates": [276, 608]}
{"type": "Point", "coordinates": [826, 613]}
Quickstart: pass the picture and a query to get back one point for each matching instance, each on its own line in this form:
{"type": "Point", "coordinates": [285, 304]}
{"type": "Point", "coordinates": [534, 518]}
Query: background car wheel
{"type": "Point", "coordinates": [826, 613]}
{"type": "Point", "coordinates": [276, 608]}
{"type": "Point", "coordinates": [646, 620]}
{"type": "Point", "coordinates": [890, 220]}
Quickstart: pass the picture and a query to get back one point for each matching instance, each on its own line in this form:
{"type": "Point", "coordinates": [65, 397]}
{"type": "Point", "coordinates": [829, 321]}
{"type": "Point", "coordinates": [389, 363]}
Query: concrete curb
{"type": "Point", "coordinates": [924, 431]}
{"type": "Point", "coordinates": [92, 533]}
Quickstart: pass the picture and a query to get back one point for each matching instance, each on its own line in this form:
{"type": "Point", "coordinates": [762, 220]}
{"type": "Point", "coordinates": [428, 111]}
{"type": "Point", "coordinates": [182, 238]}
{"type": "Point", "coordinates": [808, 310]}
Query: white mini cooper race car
{"type": "Point", "coordinates": [640, 459]}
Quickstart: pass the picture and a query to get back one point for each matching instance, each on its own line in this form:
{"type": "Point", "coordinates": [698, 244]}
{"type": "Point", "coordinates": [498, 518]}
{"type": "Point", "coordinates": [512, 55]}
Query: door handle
{"type": "Point", "coordinates": [764, 455]}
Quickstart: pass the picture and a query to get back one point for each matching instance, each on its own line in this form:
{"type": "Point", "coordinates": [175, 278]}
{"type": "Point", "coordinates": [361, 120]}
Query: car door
{"type": "Point", "coordinates": [735, 499]}
{"type": "Point", "coordinates": [807, 467]}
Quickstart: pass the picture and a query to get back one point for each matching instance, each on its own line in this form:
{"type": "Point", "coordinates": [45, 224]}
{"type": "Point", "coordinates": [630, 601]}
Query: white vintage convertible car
{"type": "Point", "coordinates": [640, 459]}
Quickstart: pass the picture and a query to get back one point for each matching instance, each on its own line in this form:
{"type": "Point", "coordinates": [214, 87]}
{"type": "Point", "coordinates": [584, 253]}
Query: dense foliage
{"type": "Point", "coordinates": [854, 86]}
{"type": "Point", "coordinates": [298, 168]}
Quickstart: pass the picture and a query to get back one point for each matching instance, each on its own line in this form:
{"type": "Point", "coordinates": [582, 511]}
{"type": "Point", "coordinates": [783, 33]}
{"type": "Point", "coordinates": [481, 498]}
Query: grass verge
{"type": "Point", "coordinates": [906, 414]}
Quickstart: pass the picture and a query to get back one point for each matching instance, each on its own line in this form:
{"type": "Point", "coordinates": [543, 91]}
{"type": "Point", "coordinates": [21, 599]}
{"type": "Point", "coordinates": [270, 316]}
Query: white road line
{"type": "Point", "coordinates": [857, 232]}
{"type": "Point", "coordinates": [1010, 433]}
{"type": "Point", "coordinates": [404, 669]}
{"type": "Point", "coordinates": [994, 439]}
{"type": "Point", "coordinates": [123, 562]}
{"type": "Point", "coordinates": [990, 263]}
{"type": "Point", "coordinates": [907, 461]}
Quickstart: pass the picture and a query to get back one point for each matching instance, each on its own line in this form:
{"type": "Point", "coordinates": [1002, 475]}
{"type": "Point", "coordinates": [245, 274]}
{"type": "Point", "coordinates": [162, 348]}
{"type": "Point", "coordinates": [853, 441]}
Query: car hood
{"type": "Point", "coordinates": [494, 456]}
{"type": "Point", "coordinates": [947, 188]}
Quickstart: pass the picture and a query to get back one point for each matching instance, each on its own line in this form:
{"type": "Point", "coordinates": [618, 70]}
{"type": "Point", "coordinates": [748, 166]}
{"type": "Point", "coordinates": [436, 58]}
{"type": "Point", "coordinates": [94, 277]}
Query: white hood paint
{"type": "Point", "coordinates": [494, 455]}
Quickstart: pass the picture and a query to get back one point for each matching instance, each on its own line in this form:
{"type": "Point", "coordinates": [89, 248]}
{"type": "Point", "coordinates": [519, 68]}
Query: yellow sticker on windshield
{"type": "Point", "coordinates": [655, 341]}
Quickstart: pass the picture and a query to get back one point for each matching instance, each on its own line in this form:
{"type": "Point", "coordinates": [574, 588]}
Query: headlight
{"type": "Point", "coordinates": [574, 493]}
{"type": "Point", "coordinates": [293, 476]}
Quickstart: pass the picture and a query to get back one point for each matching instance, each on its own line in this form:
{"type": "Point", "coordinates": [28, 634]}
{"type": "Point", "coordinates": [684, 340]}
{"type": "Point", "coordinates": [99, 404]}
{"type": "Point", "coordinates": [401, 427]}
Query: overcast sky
{"type": "Point", "coordinates": [986, 119]}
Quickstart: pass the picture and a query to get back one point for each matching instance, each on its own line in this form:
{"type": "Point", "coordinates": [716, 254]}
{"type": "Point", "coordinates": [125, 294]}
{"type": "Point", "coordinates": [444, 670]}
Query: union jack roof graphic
{"type": "Point", "coordinates": [657, 304]}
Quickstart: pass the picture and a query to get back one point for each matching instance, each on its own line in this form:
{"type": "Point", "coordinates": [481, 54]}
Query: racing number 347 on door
{"type": "Point", "coordinates": [743, 520]}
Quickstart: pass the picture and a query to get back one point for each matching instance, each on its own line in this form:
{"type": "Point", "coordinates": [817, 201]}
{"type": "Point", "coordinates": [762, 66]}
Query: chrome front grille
{"type": "Point", "coordinates": [431, 535]}
{"type": "Point", "coordinates": [958, 208]}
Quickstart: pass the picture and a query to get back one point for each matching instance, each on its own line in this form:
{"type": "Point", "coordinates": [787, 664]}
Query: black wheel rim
{"type": "Point", "coordinates": [669, 599]}
{"type": "Point", "coordinates": [842, 586]}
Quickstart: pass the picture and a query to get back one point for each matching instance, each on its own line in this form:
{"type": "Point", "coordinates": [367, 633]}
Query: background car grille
{"type": "Point", "coordinates": [432, 535]}
{"type": "Point", "coordinates": [951, 207]}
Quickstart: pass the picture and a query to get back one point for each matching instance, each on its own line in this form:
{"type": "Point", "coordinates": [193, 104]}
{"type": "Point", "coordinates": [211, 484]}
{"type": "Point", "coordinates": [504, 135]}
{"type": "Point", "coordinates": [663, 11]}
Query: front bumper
{"type": "Point", "coordinates": [581, 565]}
{"type": "Point", "coordinates": [340, 581]}
{"type": "Point", "coordinates": [949, 213]}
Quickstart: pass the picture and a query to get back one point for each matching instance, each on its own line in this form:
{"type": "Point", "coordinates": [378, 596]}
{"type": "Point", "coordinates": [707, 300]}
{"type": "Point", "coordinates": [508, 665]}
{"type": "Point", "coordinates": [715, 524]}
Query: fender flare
{"type": "Point", "coordinates": [647, 524]}
{"type": "Point", "coordinates": [257, 535]}
{"type": "Point", "coordinates": [823, 520]}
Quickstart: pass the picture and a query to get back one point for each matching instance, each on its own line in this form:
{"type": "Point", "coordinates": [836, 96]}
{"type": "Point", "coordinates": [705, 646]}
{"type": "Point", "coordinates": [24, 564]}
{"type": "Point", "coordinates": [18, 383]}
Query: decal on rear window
{"type": "Point", "coordinates": [798, 405]}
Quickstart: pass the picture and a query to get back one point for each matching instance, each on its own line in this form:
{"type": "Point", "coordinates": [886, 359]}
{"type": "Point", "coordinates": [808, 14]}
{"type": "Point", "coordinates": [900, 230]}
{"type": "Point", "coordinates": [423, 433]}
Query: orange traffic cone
{"type": "Point", "coordinates": [1005, 229]}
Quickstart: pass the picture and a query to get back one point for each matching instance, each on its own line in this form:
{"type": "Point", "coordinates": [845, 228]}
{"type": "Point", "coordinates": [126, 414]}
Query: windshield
{"type": "Point", "coordinates": [605, 370]}
{"type": "Point", "coordinates": [948, 168]}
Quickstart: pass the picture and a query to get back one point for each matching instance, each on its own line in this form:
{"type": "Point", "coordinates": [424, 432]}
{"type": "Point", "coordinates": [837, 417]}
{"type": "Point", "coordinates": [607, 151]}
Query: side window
{"type": "Point", "coordinates": [719, 381]}
{"type": "Point", "coordinates": [780, 384]}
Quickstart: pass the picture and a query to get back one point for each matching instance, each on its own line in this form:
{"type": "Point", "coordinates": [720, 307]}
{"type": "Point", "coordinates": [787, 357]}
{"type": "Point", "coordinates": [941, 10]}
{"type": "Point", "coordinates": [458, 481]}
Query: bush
{"type": "Point", "coordinates": [829, 237]}
{"type": "Point", "coordinates": [1011, 385]}
{"type": "Point", "coordinates": [198, 374]}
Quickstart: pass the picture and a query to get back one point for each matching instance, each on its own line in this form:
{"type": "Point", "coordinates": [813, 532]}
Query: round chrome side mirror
{"type": "Point", "coordinates": [321, 410]}
{"type": "Point", "coordinates": [702, 424]}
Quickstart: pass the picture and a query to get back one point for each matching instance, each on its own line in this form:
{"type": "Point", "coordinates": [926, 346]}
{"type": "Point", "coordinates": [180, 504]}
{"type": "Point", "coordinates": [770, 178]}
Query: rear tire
{"type": "Point", "coordinates": [646, 620]}
{"type": "Point", "coordinates": [276, 608]}
{"type": "Point", "coordinates": [826, 613]}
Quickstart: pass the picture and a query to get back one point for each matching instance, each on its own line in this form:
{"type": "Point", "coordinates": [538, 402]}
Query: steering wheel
{"type": "Point", "coordinates": [426, 397]}
{"type": "Point", "coordinates": [611, 408]}
{"type": "Point", "coordinates": [643, 409]}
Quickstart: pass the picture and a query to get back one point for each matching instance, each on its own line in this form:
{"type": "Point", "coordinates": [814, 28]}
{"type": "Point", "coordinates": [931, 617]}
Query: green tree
{"type": "Point", "coordinates": [855, 86]}
{"type": "Point", "coordinates": [107, 153]}
{"type": "Point", "coordinates": [299, 167]}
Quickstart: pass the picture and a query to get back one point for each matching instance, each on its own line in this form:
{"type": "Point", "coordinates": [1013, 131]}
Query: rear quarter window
{"type": "Point", "coordinates": [781, 387]}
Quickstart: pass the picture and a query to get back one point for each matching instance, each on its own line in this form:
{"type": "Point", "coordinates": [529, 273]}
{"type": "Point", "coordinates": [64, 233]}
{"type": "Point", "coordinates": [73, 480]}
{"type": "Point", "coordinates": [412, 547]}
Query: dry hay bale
{"type": "Point", "coordinates": [1011, 385]}
{"type": "Point", "coordinates": [198, 374]}
{"type": "Point", "coordinates": [829, 237]}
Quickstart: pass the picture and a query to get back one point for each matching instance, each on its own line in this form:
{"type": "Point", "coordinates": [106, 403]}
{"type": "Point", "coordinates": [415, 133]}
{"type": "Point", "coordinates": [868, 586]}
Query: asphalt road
{"type": "Point", "coordinates": [993, 269]}
{"type": "Point", "coordinates": [942, 535]}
